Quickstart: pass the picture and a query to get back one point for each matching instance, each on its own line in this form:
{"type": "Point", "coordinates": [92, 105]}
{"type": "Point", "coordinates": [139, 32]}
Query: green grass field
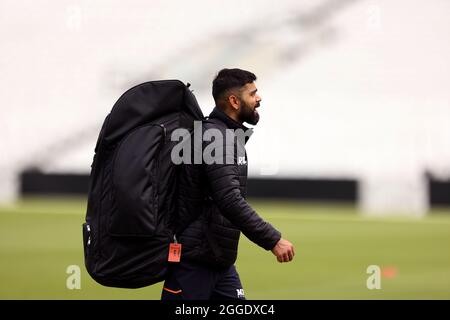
{"type": "Point", "coordinates": [334, 245]}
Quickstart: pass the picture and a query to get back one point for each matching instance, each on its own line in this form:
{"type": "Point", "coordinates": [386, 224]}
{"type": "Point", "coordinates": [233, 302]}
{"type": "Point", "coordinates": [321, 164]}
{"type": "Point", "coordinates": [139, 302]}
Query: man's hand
{"type": "Point", "coordinates": [283, 250]}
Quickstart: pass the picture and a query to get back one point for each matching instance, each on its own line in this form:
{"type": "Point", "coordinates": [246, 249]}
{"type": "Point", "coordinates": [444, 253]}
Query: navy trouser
{"type": "Point", "coordinates": [191, 281]}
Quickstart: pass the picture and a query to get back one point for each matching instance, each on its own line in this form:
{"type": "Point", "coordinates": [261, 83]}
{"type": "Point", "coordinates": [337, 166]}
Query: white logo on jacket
{"type": "Point", "coordinates": [241, 161]}
{"type": "Point", "coordinates": [240, 293]}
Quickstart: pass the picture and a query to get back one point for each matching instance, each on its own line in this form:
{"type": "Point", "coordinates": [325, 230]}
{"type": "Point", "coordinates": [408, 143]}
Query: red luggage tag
{"type": "Point", "coordinates": [174, 252]}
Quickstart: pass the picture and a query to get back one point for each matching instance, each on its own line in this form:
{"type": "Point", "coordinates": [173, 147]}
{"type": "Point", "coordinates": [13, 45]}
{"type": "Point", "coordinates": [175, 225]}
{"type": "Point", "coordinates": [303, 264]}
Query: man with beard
{"type": "Point", "coordinates": [212, 210]}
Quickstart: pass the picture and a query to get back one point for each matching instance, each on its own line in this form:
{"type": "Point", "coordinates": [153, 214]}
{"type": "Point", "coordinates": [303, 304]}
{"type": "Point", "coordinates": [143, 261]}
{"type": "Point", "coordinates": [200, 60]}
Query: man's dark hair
{"type": "Point", "coordinates": [228, 79]}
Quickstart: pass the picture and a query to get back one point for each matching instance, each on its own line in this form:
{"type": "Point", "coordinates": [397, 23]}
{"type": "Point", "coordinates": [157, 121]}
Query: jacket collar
{"type": "Point", "coordinates": [230, 123]}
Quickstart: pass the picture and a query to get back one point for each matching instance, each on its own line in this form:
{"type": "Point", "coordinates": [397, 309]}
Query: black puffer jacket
{"type": "Point", "coordinates": [212, 204]}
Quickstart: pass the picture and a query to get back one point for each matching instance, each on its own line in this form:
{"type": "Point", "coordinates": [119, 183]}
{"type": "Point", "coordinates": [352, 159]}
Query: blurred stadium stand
{"type": "Point", "coordinates": [355, 107]}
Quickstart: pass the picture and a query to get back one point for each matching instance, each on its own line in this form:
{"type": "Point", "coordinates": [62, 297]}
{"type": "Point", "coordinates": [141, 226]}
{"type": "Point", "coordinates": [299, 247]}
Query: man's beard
{"type": "Point", "coordinates": [248, 114]}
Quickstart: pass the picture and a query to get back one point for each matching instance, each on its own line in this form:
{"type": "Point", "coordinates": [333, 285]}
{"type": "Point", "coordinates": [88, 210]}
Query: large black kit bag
{"type": "Point", "coordinates": [133, 185]}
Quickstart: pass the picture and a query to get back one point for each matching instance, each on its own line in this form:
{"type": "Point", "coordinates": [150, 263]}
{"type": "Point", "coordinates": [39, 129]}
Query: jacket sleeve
{"type": "Point", "coordinates": [223, 180]}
